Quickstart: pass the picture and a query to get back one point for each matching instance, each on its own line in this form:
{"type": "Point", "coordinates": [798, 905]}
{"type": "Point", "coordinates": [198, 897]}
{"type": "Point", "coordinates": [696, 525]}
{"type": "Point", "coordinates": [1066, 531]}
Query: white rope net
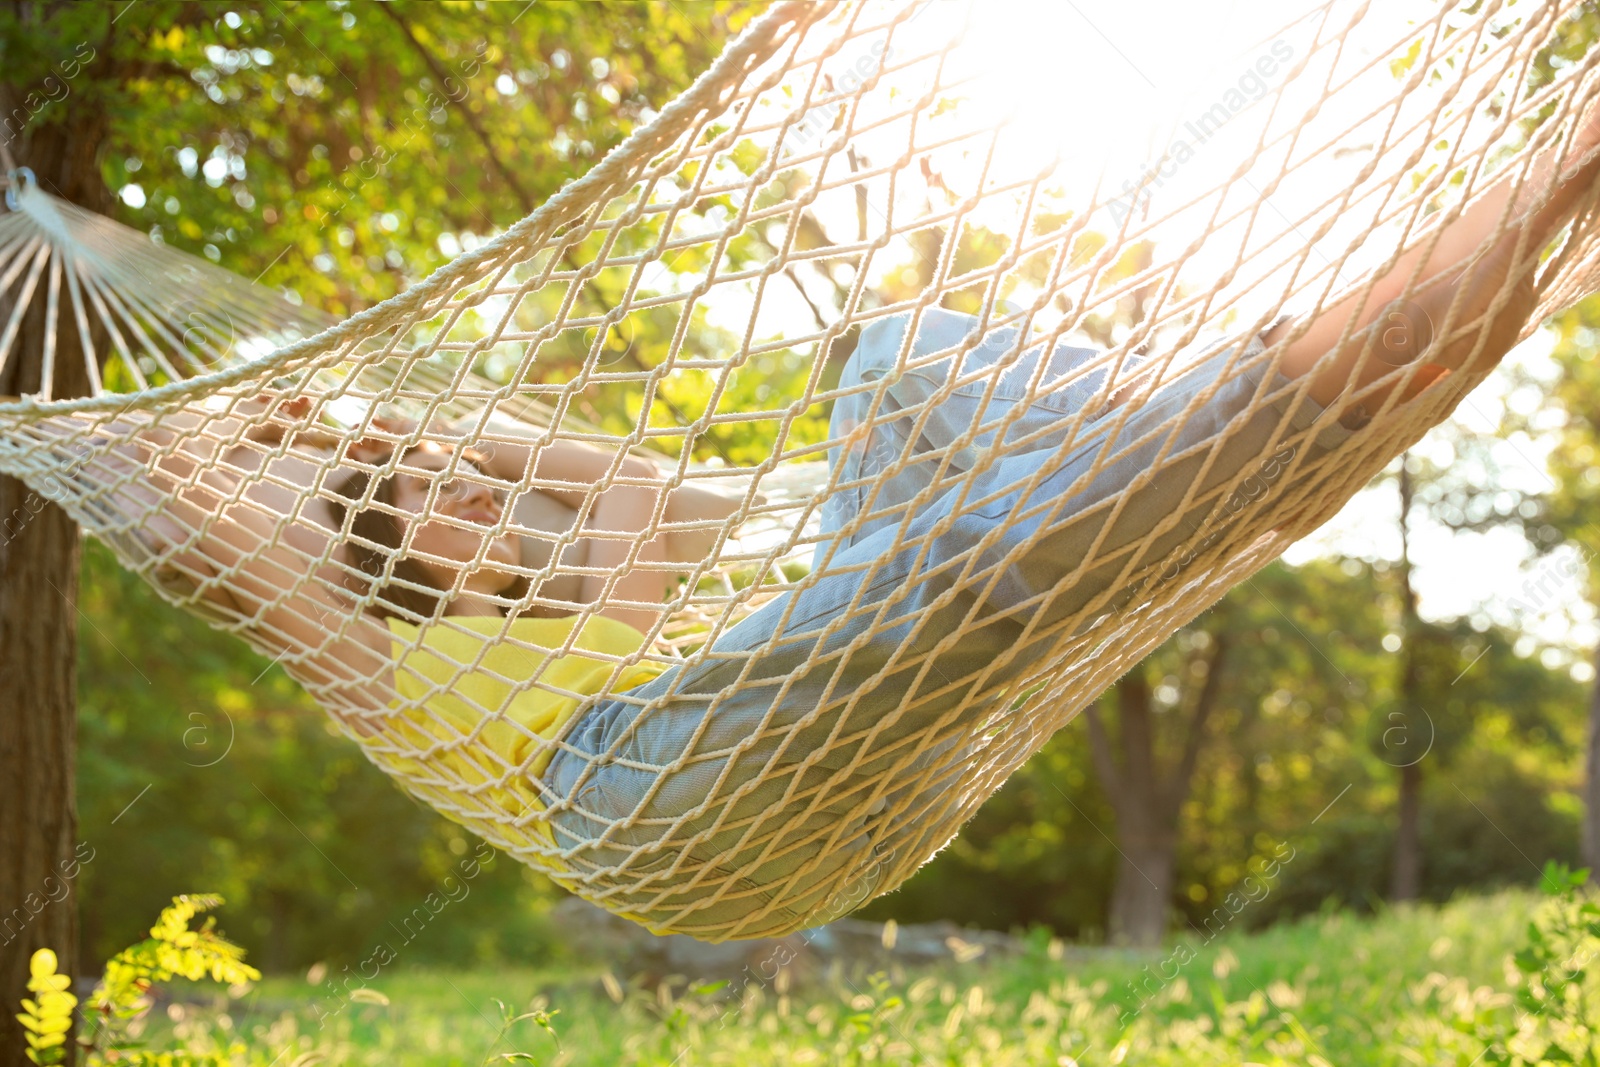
{"type": "Point", "coordinates": [733, 638]}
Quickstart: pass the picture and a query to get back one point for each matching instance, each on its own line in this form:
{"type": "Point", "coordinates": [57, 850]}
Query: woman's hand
{"type": "Point", "coordinates": [270, 416]}
{"type": "Point", "coordinates": [375, 449]}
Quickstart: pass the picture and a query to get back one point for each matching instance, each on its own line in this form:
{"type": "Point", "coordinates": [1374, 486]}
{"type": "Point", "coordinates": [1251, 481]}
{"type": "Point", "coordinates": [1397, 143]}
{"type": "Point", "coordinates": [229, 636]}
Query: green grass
{"type": "Point", "coordinates": [1402, 989]}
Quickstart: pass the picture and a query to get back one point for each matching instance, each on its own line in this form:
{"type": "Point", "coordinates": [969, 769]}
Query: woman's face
{"type": "Point", "coordinates": [464, 511]}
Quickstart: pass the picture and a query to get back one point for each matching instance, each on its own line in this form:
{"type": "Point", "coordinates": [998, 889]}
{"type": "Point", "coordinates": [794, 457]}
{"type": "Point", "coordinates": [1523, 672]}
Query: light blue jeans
{"type": "Point", "coordinates": [802, 767]}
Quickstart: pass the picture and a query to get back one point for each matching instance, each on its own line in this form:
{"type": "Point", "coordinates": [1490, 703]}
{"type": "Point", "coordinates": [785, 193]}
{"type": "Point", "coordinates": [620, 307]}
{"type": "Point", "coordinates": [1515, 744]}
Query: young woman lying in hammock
{"type": "Point", "coordinates": [690, 765]}
{"type": "Point", "coordinates": [429, 531]}
{"type": "Point", "coordinates": [429, 534]}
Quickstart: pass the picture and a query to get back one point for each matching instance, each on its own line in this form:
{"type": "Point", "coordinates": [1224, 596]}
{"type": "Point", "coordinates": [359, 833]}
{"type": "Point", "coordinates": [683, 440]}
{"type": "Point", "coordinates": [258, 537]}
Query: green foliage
{"type": "Point", "coordinates": [202, 762]}
{"type": "Point", "coordinates": [1296, 764]}
{"type": "Point", "coordinates": [47, 1015]}
{"type": "Point", "coordinates": [344, 151]}
{"type": "Point", "coordinates": [341, 148]}
{"type": "Point", "coordinates": [1411, 986]}
{"type": "Point", "coordinates": [173, 950]}
{"type": "Point", "coordinates": [1573, 509]}
{"type": "Point", "coordinates": [510, 1017]}
{"type": "Point", "coordinates": [1553, 1018]}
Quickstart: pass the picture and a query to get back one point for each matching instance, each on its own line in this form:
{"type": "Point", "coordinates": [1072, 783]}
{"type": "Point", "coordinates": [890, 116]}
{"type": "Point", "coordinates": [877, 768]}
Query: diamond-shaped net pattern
{"type": "Point", "coordinates": [824, 450]}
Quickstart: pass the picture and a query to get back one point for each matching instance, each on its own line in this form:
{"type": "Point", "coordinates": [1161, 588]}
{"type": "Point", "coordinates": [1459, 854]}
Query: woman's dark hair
{"type": "Point", "coordinates": [377, 526]}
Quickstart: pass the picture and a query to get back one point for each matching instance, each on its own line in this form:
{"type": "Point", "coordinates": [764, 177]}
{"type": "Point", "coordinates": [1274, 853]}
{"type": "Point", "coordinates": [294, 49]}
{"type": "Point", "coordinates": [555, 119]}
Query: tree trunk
{"type": "Point", "coordinates": [1591, 780]}
{"type": "Point", "coordinates": [1148, 796]}
{"type": "Point", "coordinates": [38, 629]}
{"type": "Point", "coordinates": [38, 735]}
{"type": "Point", "coordinates": [1141, 898]}
{"type": "Point", "coordinates": [1138, 913]}
{"type": "Point", "coordinates": [1405, 881]}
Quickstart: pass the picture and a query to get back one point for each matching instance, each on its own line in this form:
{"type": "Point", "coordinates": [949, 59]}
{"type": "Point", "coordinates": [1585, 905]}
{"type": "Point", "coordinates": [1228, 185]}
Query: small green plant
{"type": "Point", "coordinates": [544, 1020]}
{"type": "Point", "coordinates": [173, 950]}
{"type": "Point", "coordinates": [870, 1023]}
{"type": "Point", "coordinates": [1554, 1020]}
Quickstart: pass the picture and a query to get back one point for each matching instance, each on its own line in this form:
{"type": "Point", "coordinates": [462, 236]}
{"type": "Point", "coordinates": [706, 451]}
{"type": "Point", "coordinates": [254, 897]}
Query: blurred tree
{"type": "Point", "coordinates": [1295, 794]}
{"type": "Point", "coordinates": [1407, 866]}
{"type": "Point", "coordinates": [1146, 791]}
{"type": "Point", "coordinates": [38, 543]}
{"type": "Point", "coordinates": [1570, 515]}
{"type": "Point", "coordinates": [1421, 726]}
{"type": "Point", "coordinates": [1289, 641]}
{"type": "Point", "coordinates": [1573, 512]}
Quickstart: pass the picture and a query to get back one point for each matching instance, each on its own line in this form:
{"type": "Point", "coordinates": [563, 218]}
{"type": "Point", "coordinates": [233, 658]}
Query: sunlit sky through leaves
{"type": "Point", "coordinates": [1140, 69]}
{"type": "Point", "coordinates": [1101, 88]}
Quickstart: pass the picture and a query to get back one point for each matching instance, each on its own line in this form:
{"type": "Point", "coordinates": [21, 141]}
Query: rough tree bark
{"type": "Point", "coordinates": [38, 624]}
{"type": "Point", "coordinates": [1148, 796]}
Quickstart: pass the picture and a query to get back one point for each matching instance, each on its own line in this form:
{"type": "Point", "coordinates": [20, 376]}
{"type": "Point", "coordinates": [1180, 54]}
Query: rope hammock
{"type": "Point", "coordinates": [734, 639]}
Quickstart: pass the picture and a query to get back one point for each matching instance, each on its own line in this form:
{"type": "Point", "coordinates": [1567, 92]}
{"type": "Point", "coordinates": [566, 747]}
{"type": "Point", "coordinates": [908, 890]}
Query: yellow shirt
{"type": "Point", "coordinates": [459, 675]}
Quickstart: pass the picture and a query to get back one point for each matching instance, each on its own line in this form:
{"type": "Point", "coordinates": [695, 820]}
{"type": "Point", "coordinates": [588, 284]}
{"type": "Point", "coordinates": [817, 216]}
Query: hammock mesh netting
{"type": "Point", "coordinates": [902, 527]}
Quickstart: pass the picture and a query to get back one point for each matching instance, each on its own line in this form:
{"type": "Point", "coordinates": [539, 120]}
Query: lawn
{"type": "Point", "coordinates": [1406, 987]}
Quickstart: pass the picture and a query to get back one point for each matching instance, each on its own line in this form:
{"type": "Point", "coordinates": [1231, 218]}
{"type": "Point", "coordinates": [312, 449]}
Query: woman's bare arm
{"type": "Point", "coordinates": [1452, 273]}
{"type": "Point", "coordinates": [623, 573]}
{"type": "Point", "coordinates": [567, 470]}
{"type": "Point", "coordinates": [248, 566]}
{"type": "Point", "coordinates": [1458, 267]}
{"type": "Point", "coordinates": [563, 469]}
